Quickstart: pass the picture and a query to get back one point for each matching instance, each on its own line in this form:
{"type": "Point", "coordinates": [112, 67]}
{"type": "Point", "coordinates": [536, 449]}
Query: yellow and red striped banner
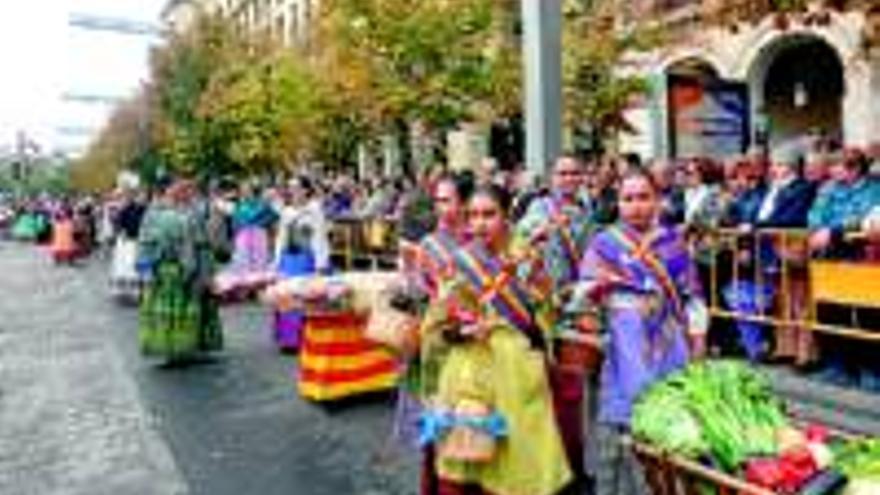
{"type": "Point", "coordinates": [337, 361]}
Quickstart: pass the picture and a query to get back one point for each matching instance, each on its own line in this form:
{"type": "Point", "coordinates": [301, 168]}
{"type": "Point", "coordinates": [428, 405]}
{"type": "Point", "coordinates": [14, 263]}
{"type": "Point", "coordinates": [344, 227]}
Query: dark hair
{"type": "Point", "coordinates": [633, 160]}
{"type": "Point", "coordinates": [857, 160]}
{"type": "Point", "coordinates": [463, 182]}
{"type": "Point", "coordinates": [710, 171]}
{"type": "Point", "coordinates": [163, 183]}
{"type": "Point", "coordinates": [306, 185]}
{"type": "Point", "coordinates": [498, 194]}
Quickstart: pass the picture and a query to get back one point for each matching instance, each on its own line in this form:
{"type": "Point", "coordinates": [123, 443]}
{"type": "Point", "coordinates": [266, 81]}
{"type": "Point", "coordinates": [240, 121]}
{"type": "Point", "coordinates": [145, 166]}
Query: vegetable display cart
{"type": "Point", "coordinates": [669, 474]}
{"type": "Point", "coordinates": [717, 428]}
{"type": "Point", "coordinates": [337, 361]}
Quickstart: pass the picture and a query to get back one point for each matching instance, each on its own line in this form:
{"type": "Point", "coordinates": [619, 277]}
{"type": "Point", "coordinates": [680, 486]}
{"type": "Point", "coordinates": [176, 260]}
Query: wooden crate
{"type": "Point", "coordinates": [668, 474]}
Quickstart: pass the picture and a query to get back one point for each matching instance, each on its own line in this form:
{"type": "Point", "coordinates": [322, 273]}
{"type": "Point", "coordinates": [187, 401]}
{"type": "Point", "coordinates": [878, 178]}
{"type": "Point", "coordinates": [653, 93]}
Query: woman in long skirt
{"type": "Point", "coordinates": [302, 248]}
{"type": "Point", "coordinates": [645, 285]}
{"type": "Point", "coordinates": [251, 266]}
{"type": "Point", "coordinates": [179, 316]}
{"type": "Point", "coordinates": [485, 381]}
{"type": "Point", "coordinates": [426, 267]}
{"type": "Point", "coordinates": [64, 246]}
{"type": "Point", "coordinates": [124, 279]}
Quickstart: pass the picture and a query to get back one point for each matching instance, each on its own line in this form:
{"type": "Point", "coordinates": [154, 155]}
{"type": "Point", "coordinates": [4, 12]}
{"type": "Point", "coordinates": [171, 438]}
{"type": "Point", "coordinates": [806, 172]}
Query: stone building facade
{"type": "Point", "coordinates": [815, 72]}
{"type": "Point", "coordinates": [288, 20]}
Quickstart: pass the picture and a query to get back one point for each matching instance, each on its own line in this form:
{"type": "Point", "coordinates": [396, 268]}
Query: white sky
{"type": "Point", "coordinates": [42, 58]}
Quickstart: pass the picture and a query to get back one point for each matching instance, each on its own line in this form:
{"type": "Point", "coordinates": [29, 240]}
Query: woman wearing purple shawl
{"type": "Point", "coordinates": [638, 273]}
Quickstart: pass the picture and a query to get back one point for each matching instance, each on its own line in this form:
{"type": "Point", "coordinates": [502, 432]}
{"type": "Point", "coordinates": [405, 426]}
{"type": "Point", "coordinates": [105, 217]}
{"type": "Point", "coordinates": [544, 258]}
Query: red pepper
{"type": "Point", "coordinates": [787, 473]}
{"type": "Point", "coordinates": [765, 473]}
{"type": "Point", "coordinates": [817, 433]}
{"type": "Point", "coordinates": [797, 466]}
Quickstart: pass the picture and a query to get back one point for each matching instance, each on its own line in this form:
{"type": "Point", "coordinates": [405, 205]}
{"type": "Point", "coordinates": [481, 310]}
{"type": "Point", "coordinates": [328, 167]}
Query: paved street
{"type": "Point", "coordinates": [82, 413]}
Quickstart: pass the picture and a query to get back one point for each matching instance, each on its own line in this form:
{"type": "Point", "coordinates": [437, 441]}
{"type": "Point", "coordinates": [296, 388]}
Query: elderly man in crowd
{"type": "Point", "coordinates": [841, 205]}
{"type": "Point", "coordinates": [785, 205]}
{"type": "Point", "coordinates": [839, 210]}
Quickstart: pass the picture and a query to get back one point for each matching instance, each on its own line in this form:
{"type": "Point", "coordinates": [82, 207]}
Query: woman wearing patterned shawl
{"type": "Point", "coordinates": [252, 217]}
{"type": "Point", "coordinates": [484, 370]}
{"type": "Point", "coordinates": [179, 316]}
{"type": "Point", "coordinates": [561, 224]}
{"type": "Point", "coordinates": [427, 266]}
{"type": "Point", "coordinates": [644, 282]}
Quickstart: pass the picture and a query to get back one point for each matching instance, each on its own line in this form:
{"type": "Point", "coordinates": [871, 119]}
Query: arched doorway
{"type": "Point", "coordinates": [692, 67]}
{"type": "Point", "coordinates": [797, 87]}
{"type": "Point", "coordinates": [707, 115]}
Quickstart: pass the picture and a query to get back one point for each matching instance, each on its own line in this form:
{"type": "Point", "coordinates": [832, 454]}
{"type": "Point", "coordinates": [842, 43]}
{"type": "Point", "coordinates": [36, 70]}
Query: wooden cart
{"type": "Point", "coordinates": [668, 474]}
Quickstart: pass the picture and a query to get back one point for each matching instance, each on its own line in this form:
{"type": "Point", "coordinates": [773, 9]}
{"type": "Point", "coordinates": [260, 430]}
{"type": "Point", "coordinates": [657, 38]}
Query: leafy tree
{"type": "Point", "coordinates": [262, 111]}
{"type": "Point", "coordinates": [595, 91]}
{"type": "Point", "coordinates": [119, 146]}
{"type": "Point", "coordinates": [181, 71]}
{"type": "Point", "coordinates": [393, 62]}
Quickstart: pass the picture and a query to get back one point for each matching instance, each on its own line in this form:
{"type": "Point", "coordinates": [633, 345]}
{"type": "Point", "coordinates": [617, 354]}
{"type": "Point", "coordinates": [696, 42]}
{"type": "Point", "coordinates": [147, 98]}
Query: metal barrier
{"type": "Point", "coordinates": [357, 243]}
{"type": "Point", "coordinates": [775, 257]}
{"type": "Point", "coordinates": [780, 258]}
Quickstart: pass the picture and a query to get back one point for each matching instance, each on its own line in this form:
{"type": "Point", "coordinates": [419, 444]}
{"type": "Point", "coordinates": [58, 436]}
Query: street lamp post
{"type": "Point", "coordinates": [542, 53]}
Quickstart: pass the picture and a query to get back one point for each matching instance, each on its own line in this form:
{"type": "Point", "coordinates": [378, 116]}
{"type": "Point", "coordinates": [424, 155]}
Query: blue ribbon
{"type": "Point", "coordinates": [145, 267]}
{"type": "Point", "coordinates": [433, 425]}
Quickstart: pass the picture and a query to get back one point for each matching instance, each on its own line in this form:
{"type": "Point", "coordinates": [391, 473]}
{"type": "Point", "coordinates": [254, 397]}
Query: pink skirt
{"type": "Point", "coordinates": [250, 269]}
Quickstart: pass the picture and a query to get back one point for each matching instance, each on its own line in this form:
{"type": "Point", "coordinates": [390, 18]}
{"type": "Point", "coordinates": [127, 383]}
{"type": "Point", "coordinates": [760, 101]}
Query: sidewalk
{"type": "Point", "coordinates": [71, 420]}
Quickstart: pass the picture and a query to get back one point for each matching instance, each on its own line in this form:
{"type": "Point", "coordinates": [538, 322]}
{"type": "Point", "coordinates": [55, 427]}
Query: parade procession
{"type": "Point", "coordinates": [396, 247]}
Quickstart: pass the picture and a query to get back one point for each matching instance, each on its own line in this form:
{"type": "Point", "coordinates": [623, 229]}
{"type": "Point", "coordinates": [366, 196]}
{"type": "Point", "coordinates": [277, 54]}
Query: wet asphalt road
{"type": "Point", "coordinates": [82, 413]}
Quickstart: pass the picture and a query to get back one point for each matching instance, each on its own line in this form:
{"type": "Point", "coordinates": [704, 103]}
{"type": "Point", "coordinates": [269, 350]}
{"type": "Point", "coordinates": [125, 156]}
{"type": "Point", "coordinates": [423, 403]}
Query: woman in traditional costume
{"type": "Point", "coordinates": [179, 316]}
{"type": "Point", "coordinates": [485, 378]}
{"type": "Point", "coordinates": [84, 226]}
{"type": "Point", "coordinates": [33, 224]}
{"type": "Point", "coordinates": [645, 285]}
{"type": "Point", "coordinates": [426, 266]}
{"type": "Point", "coordinates": [124, 280]}
{"type": "Point", "coordinates": [63, 246]}
{"type": "Point", "coordinates": [250, 269]}
{"type": "Point", "coordinates": [560, 224]}
{"type": "Point", "coordinates": [302, 247]}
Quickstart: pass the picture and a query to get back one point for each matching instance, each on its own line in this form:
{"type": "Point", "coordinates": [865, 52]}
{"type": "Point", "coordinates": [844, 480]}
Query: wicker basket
{"type": "Point", "coordinates": [467, 444]}
{"type": "Point", "coordinates": [667, 474]}
{"type": "Point", "coordinates": [394, 329]}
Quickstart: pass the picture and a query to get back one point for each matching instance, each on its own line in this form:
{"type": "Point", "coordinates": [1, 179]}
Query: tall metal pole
{"type": "Point", "coordinates": [542, 53]}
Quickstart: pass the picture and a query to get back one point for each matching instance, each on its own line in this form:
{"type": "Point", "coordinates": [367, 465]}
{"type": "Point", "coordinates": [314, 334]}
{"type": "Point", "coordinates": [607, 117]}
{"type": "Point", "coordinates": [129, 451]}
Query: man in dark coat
{"type": "Point", "coordinates": [786, 201]}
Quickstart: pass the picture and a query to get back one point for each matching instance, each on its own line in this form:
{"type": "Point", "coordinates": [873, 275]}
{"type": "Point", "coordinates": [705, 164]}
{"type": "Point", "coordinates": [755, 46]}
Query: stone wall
{"type": "Point", "coordinates": [745, 54]}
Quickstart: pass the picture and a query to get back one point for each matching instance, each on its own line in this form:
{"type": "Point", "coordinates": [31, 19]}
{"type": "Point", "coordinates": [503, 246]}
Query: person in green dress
{"type": "Point", "coordinates": [179, 315]}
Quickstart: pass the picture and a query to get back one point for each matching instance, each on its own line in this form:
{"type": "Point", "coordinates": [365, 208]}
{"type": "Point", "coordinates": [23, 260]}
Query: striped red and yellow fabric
{"type": "Point", "coordinates": [337, 361]}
